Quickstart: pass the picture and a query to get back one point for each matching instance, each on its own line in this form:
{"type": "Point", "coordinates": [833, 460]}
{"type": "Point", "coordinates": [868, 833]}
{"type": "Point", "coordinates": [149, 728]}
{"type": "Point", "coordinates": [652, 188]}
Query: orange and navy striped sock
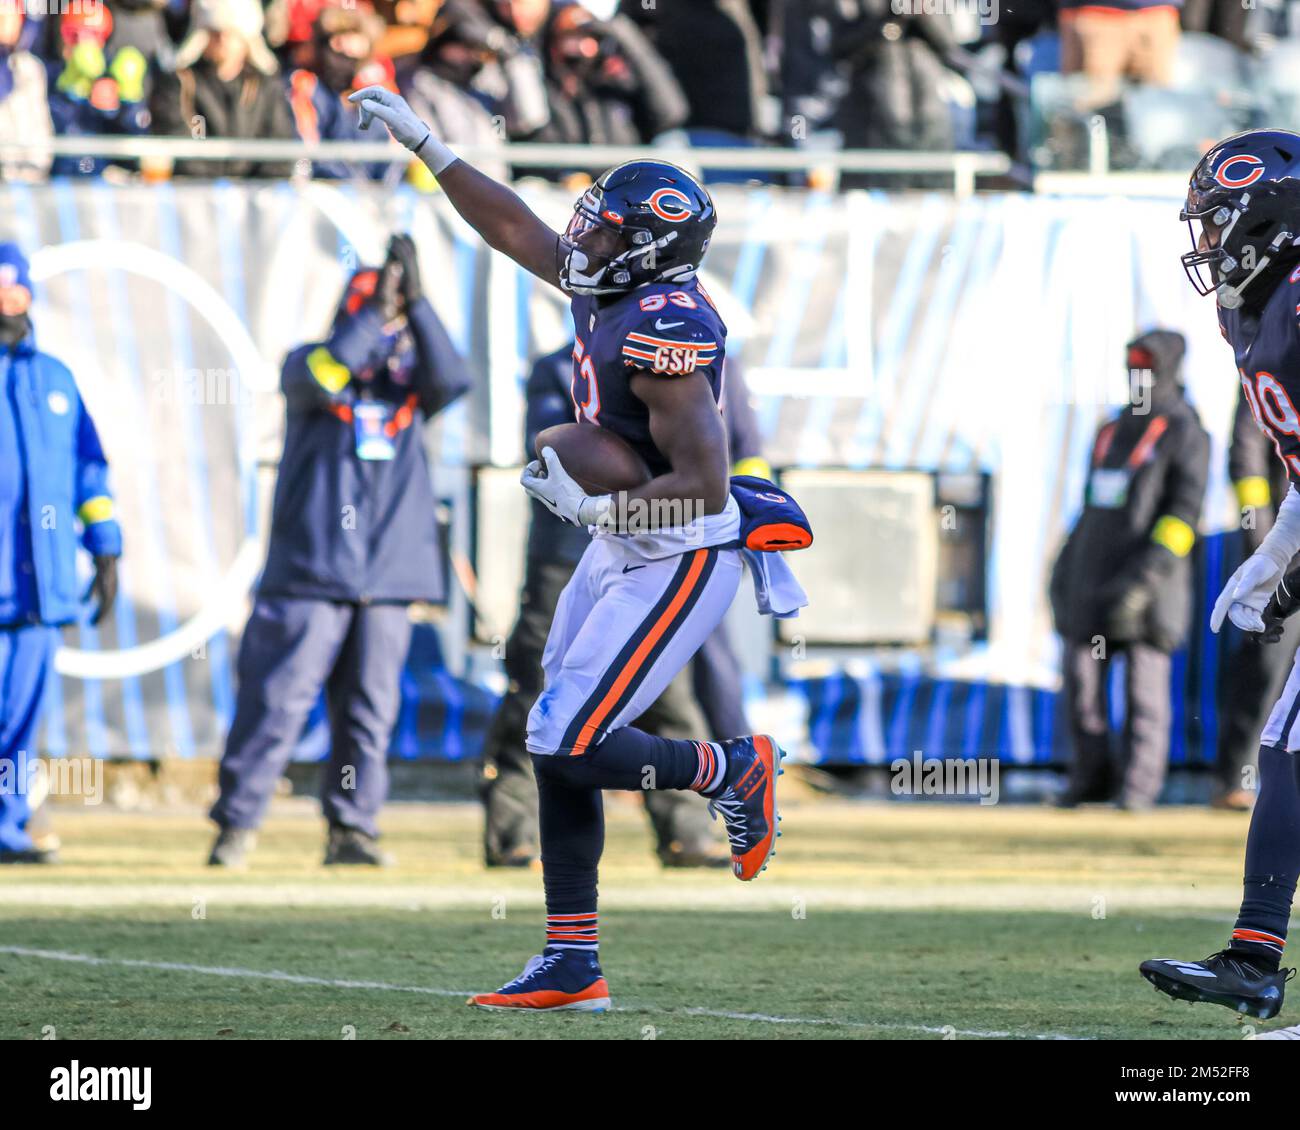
{"type": "Point", "coordinates": [1261, 945]}
{"type": "Point", "coordinates": [572, 932]}
{"type": "Point", "coordinates": [712, 767]}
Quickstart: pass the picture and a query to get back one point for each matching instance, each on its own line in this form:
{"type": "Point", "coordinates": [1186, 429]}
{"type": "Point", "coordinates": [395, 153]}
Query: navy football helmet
{"type": "Point", "coordinates": [642, 222]}
{"type": "Point", "coordinates": [1246, 194]}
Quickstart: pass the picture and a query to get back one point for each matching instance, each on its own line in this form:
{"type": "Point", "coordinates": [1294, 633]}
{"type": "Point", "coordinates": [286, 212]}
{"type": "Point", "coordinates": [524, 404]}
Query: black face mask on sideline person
{"type": "Point", "coordinates": [13, 328]}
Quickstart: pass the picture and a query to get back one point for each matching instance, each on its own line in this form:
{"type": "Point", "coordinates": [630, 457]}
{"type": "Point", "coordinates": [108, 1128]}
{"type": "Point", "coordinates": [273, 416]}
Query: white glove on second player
{"type": "Point", "coordinates": [403, 123]}
{"type": "Point", "coordinates": [548, 482]}
{"type": "Point", "coordinates": [1248, 590]}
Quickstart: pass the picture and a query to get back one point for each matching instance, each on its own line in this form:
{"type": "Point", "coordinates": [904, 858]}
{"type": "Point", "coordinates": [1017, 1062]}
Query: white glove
{"type": "Point", "coordinates": [1248, 589]}
{"type": "Point", "coordinates": [391, 109]}
{"type": "Point", "coordinates": [555, 489]}
{"type": "Point", "coordinates": [1247, 592]}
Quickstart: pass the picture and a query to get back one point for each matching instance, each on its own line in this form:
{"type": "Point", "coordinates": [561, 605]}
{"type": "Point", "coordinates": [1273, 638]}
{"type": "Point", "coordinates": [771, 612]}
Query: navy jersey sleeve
{"type": "Point", "coordinates": [672, 342]}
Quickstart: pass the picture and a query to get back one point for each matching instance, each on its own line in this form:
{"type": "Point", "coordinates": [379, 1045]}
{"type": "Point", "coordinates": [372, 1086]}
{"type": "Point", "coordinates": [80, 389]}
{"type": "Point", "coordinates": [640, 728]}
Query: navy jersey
{"type": "Point", "coordinates": [1267, 346]}
{"type": "Point", "coordinates": [665, 330]}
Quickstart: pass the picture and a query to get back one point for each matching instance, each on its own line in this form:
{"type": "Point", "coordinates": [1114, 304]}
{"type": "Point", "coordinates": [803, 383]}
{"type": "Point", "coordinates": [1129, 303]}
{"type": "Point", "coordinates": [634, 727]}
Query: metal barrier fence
{"type": "Point", "coordinates": [963, 168]}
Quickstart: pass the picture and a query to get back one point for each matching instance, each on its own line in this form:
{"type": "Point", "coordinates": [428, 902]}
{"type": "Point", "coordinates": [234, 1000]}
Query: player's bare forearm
{"type": "Point", "coordinates": [504, 221]}
{"type": "Point", "coordinates": [687, 427]}
{"type": "Point", "coordinates": [490, 208]}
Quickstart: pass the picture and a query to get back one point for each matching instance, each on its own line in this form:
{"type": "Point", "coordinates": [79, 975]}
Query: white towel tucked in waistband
{"type": "Point", "coordinates": [775, 588]}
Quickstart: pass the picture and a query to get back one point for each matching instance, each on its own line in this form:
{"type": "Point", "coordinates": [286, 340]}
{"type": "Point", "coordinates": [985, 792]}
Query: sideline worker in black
{"type": "Point", "coordinates": [1123, 581]}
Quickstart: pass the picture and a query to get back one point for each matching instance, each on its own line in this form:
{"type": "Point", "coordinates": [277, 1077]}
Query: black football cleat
{"type": "Point", "coordinates": [1226, 978]}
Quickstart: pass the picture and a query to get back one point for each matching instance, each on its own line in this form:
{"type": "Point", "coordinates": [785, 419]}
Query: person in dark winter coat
{"type": "Point", "coordinates": [226, 85]}
{"type": "Point", "coordinates": [715, 51]}
{"type": "Point", "coordinates": [1123, 580]}
{"type": "Point", "coordinates": [897, 69]}
{"type": "Point", "coordinates": [605, 84]}
{"type": "Point", "coordinates": [353, 542]}
{"type": "Point", "coordinates": [684, 836]}
{"type": "Point", "coordinates": [1251, 671]}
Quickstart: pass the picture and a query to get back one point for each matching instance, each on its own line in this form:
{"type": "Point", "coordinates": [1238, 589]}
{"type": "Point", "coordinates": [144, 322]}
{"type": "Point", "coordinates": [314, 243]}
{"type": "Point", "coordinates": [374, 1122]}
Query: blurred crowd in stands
{"type": "Point", "coordinates": [1028, 77]}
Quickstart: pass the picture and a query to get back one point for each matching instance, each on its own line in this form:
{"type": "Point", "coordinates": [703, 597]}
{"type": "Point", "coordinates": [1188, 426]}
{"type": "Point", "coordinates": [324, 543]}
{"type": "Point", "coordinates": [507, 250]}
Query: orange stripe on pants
{"type": "Point", "coordinates": [646, 646]}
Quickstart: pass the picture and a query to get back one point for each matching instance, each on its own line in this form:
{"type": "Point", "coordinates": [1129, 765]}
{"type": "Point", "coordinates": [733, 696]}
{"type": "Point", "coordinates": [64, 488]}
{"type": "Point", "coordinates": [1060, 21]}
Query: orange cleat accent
{"type": "Point", "coordinates": [594, 998]}
{"type": "Point", "coordinates": [757, 787]}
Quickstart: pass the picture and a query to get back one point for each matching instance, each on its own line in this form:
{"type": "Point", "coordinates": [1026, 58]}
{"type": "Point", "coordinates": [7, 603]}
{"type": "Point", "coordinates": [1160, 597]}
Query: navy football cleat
{"type": "Point", "coordinates": [747, 802]}
{"type": "Point", "coordinates": [559, 980]}
{"type": "Point", "coordinates": [1226, 978]}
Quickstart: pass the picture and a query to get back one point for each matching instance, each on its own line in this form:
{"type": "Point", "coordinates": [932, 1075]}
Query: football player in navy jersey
{"type": "Point", "coordinates": [1243, 207]}
{"type": "Point", "coordinates": [659, 573]}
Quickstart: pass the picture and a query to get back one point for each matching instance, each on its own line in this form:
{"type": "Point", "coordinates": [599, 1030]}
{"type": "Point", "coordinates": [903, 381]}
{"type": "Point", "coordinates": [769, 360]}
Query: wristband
{"type": "Point", "coordinates": [597, 511]}
{"type": "Point", "coordinates": [434, 154]}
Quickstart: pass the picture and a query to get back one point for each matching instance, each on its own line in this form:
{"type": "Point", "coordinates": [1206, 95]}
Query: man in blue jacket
{"type": "Point", "coordinates": [354, 540]}
{"type": "Point", "coordinates": [53, 478]}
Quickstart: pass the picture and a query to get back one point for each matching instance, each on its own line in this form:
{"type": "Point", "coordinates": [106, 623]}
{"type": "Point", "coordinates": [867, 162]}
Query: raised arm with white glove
{"type": "Point", "coordinates": [504, 221]}
{"type": "Point", "coordinates": [1248, 590]}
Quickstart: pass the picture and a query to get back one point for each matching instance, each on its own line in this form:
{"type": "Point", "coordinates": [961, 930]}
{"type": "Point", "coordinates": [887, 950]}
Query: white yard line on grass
{"type": "Point", "coordinates": [1067, 897]}
{"type": "Point", "coordinates": [384, 986]}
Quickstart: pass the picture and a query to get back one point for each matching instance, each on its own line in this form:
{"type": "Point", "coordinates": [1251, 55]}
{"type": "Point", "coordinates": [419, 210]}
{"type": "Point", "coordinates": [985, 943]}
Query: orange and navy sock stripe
{"type": "Point", "coordinates": [572, 931]}
{"type": "Point", "coordinates": [712, 765]}
{"type": "Point", "coordinates": [644, 647]}
{"type": "Point", "coordinates": [1243, 937]}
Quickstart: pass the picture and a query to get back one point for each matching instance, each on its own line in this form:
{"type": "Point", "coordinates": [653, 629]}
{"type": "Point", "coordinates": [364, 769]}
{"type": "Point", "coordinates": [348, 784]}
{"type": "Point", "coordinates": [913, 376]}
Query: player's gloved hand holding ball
{"type": "Point", "coordinates": [548, 482]}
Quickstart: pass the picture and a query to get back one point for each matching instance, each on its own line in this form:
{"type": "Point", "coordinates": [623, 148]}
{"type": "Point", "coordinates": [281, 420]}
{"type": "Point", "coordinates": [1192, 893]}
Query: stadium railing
{"type": "Point", "coordinates": [962, 167]}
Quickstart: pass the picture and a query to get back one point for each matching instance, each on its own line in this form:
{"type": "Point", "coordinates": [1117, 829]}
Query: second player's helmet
{"type": "Point", "coordinates": [642, 222]}
{"type": "Point", "coordinates": [1246, 194]}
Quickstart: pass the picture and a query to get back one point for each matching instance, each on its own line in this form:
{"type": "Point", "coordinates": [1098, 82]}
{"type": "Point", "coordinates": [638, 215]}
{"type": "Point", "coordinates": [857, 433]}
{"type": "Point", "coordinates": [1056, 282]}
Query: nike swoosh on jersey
{"type": "Point", "coordinates": [661, 325]}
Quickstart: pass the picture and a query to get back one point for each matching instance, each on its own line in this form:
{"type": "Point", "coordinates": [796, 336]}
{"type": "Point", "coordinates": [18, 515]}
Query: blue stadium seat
{"type": "Point", "coordinates": [1039, 54]}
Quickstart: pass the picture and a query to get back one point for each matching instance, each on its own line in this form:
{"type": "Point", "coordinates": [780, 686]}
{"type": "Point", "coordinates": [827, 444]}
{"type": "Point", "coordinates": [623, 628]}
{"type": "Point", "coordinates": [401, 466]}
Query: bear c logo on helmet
{"type": "Point", "coordinates": [677, 207]}
{"type": "Point", "coordinates": [1254, 169]}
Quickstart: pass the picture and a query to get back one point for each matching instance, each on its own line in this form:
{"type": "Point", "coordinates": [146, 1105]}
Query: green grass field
{"type": "Point", "coordinates": [875, 921]}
